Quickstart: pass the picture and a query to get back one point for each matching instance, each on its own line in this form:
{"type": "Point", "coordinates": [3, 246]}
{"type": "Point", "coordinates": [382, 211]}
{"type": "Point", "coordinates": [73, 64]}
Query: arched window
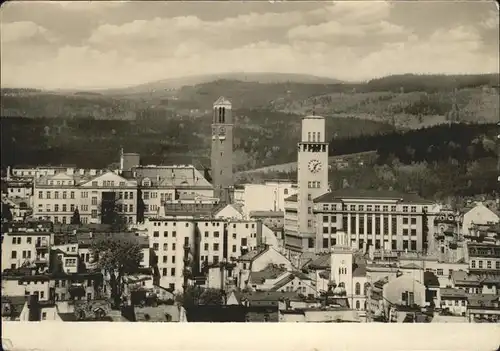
{"type": "Point", "coordinates": [314, 136]}
{"type": "Point", "coordinates": [357, 303]}
{"type": "Point", "coordinates": [358, 289]}
{"type": "Point", "coordinates": [223, 115]}
{"type": "Point", "coordinates": [286, 191]}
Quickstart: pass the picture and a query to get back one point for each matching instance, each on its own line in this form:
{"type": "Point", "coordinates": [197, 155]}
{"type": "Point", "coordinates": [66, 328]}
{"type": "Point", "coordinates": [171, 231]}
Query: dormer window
{"type": "Point", "coordinates": [146, 182]}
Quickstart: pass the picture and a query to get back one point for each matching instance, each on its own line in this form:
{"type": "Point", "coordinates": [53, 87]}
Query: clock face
{"type": "Point", "coordinates": [314, 166]}
{"type": "Point", "coordinates": [222, 130]}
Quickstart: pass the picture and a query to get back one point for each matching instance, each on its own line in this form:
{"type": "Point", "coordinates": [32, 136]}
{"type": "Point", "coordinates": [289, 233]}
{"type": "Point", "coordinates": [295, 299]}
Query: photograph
{"type": "Point", "coordinates": [248, 162]}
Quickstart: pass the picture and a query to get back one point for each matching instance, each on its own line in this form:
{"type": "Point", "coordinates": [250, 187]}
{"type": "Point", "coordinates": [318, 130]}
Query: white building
{"type": "Point", "coordinates": [269, 196]}
{"type": "Point", "coordinates": [207, 240]}
{"type": "Point", "coordinates": [312, 179]}
{"type": "Point", "coordinates": [58, 196]}
{"type": "Point", "coordinates": [479, 214]}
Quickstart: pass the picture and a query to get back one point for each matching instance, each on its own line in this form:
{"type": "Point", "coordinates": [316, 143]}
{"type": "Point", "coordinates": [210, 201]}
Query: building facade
{"type": "Point", "coordinates": [222, 149]}
{"type": "Point", "coordinates": [312, 179]}
{"type": "Point", "coordinates": [380, 219]}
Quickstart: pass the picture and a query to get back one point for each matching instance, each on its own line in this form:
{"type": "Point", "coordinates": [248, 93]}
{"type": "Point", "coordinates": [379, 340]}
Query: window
{"type": "Point", "coordinates": [413, 232]}
{"type": "Point", "coordinates": [488, 264]}
{"type": "Point", "coordinates": [156, 234]}
{"type": "Point", "coordinates": [164, 272]}
{"type": "Point", "coordinates": [405, 220]}
{"type": "Point", "coordinates": [216, 247]}
{"type": "Point", "coordinates": [216, 259]}
{"type": "Point", "coordinates": [357, 305]}
{"type": "Point", "coordinates": [473, 264]}
{"type": "Point", "coordinates": [325, 243]}
{"type": "Point", "coordinates": [173, 259]}
{"type": "Point", "coordinates": [311, 243]}
{"type": "Point", "coordinates": [480, 264]}
{"type": "Point", "coordinates": [414, 209]}
{"type": "Point", "coordinates": [172, 272]}
{"type": "Point", "coordinates": [13, 255]}
{"type": "Point", "coordinates": [439, 271]}
{"type": "Point", "coordinates": [413, 220]}
{"type": "Point", "coordinates": [309, 223]}
{"type": "Point", "coordinates": [234, 248]}
{"type": "Point", "coordinates": [405, 208]}
{"type": "Point", "coordinates": [165, 247]}
{"type": "Point", "coordinates": [309, 197]}
{"type": "Point", "coordinates": [497, 265]}
{"type": "Point", "coordinates": [206, 246]}
{"type": "Point", "coordinates": [357, 289]}
{"type": "Point", "coordinates": [156, 246]}
{"type": "Point", "coordinates": [216, 234]}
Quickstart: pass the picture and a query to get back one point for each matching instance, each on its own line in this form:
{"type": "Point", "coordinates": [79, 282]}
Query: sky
{"type": "Point", "coordinates": [99, 44]}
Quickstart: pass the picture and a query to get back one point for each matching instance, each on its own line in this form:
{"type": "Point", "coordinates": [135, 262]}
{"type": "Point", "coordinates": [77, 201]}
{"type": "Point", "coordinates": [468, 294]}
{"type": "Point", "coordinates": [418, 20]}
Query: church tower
{"type": "Point", "coordinates": [222, 150]}
{"type": "Point", "coordinates": [312, 174]}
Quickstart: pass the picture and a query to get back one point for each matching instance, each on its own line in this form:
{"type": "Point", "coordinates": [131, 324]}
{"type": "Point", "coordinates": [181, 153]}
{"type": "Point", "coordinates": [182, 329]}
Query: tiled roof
{"type": "Point", "coordinates": [252, 255]}
{"type": "Point", "coordinates": [359, 270]}
{"type": "Point", "coordinates": [270, 272]}
{"type": "Point", "coordinates": [283, 282]}
{"type": "Point", "coordinates": [321, 262]}
{"type": "Point", "coordinates": [483, 300]}
{"type": "Point", "coordinates": [292, 198]}
{"type": "Point", "coordinates": [17, 304]}
{"type": "Point", "coordinates": [171, 176]}
{"type": "Point", "coordinates": [338, 195]}
{"type": "Point", "coordinates": [266, 214]}
{"type": "Point", "coordinates": [453, 293]}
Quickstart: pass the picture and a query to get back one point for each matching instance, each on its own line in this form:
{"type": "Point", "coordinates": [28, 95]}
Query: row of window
{"type": "Point", "coordinates": [407, 244]}
{"type": "Point", "coordinates": [406, 220]}
{"type": "Point", "coordinates": [83, 219]}
{"type": "Point", "coordinates": [64, 194]}
{"type": "Point", "coordinates": [17, 240]}
{"type": "Point", "coordinates": [369, 208]}
{"type": "Point", "coordinates": [314, 185]}
{"type": "Point", "coordinates": [214, 224]}
{"type": "Point", "coordinates": [480, 264]}
{"type": "Point", "coordinates": [206, 247]}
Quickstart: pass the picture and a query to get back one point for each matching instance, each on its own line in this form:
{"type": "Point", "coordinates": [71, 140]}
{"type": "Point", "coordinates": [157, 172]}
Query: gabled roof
{"type": "Point", "coordinates": [350, 193]}
{"type": "Point", "coordinates": [283, 282]}
{"type": "Point", "coordinates": [292, 198]}
{"type": "Point", "coordinates": [166, 176]}
{"type": "Point", "coordinates": [321, 262]}
{"type": "Point", "coordinates": [119, 178]}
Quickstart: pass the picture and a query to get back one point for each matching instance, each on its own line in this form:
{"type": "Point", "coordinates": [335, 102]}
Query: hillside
{"type": "Point", "coordinates": [177, 83]}
{"type": "Point", "coordinates": [405, 101]}
{"type": "Point", "coordinates": [259, 139]}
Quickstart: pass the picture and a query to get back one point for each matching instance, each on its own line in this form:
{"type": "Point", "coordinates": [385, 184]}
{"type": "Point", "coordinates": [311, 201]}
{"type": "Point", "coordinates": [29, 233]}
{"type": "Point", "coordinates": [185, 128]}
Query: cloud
{"type": "Point", "coordinates": [20, 31]}
{"type": "Point", "coordinates": [346, 40]}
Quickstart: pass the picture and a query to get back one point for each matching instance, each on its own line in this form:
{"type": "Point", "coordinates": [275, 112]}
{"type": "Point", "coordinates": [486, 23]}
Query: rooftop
{"type": "Point", "coordinates": [266, 214]}
{"type": "Point", "coordinates": [270, 272]}
{"type": "Point", "coordinates": [350, 193]}
{"type": "Point", "coordinates": [453, 293]}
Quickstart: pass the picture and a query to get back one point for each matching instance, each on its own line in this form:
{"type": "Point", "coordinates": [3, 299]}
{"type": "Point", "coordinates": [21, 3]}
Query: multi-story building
{"type": "Point", "coordinates": [20, 189]}
{"type": "Point", "coordinates": [483, 258]}
{"type": "Point", "coordinates": [187, 243]}
{"type": "Point", "coordinates": [479, 214]}
{"type": "Point", "coordinates": [312, 179]}
{"type": "Point", "coordinates": [222, 150]}
{"type": "Point", "coordinates": [159, 185]}
{"type": "Point", "coordinates": [269, 196]}
{"type": "Point", "coordinates": [26, 245]}
{"type": "Point", "coordinates": [381, 219]}
{"type": "Point", "coordinates": [58, 196]}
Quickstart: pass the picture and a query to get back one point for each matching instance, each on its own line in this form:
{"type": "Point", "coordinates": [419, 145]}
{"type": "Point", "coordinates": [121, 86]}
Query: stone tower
{"type": "Point", "coordinates": [222, 150]}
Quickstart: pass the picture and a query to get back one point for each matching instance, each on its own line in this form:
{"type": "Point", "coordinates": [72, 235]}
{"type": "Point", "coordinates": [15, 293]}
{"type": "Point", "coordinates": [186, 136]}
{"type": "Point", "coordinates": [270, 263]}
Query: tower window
{"type": "Point", "coordinates": [314, 136]}
{"type": "Point", "coordinates": [308, 136]}
{"type": "Point", "coordinates": [319, 136]}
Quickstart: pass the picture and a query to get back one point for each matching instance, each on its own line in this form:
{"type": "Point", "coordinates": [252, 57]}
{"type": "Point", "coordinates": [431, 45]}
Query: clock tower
{"type": "Point", "coordinates": [312, 174]}
{"type": "Point", "coordinates": [222, 150]}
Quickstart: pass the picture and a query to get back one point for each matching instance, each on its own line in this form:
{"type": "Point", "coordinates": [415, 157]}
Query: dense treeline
{"type": "Point", "coordinates": [462, 142]}
{"type": "Point", "coordinates": [430, 83]}
{"type": "Point", "coordinates": [259, 139]}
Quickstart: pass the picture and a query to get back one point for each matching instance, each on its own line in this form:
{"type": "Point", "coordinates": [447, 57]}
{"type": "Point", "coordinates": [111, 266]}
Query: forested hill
{"type": "Point", "coordinates": [461, 142]}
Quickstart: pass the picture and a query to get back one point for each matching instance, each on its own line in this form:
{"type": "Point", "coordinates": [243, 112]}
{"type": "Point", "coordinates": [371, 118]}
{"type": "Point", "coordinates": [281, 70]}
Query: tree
{"type": "Point", "coordinates": [6, 213]}
{"type": "Point", "coordinates": [117, 255]}
{"type": "Point", "coordinates": [75, 219]}
{"type": "Point", "coordinates": [196, 295]}
{"type": "Point", "coordinates": [110, 212]}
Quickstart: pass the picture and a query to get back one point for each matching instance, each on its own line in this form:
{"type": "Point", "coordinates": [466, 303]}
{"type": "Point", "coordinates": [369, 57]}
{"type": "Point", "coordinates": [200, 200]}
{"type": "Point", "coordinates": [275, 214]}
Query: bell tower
{"type": "Point", "coordinates": [222, 150]}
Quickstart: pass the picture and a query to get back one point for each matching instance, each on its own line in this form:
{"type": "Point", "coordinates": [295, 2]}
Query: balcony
{"type": "Point", "coordinates": [41, 244]}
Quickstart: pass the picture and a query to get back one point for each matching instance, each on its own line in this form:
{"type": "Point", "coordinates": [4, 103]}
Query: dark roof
{"type": "Point", "coordinates": [338, 195]}
{"type": "Point", "coordinates": [430, 279]}
{"type": "Point", "coordinates": [266, 214]}
{"type": "Point", "coordinates": [252, 255]}
{"type": "Point", "coordinates": [453, 293]}
{"type": "Point", "coordinates": [359, 270]}
{"type": "Point", "coordinates": [323, 261]}
{"type": "Point", "coordinates": [292, 198]}
{"type": "Point", "coordinates": [270, 272]}
{"type": "Point", "coordinates": [263, 297]}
